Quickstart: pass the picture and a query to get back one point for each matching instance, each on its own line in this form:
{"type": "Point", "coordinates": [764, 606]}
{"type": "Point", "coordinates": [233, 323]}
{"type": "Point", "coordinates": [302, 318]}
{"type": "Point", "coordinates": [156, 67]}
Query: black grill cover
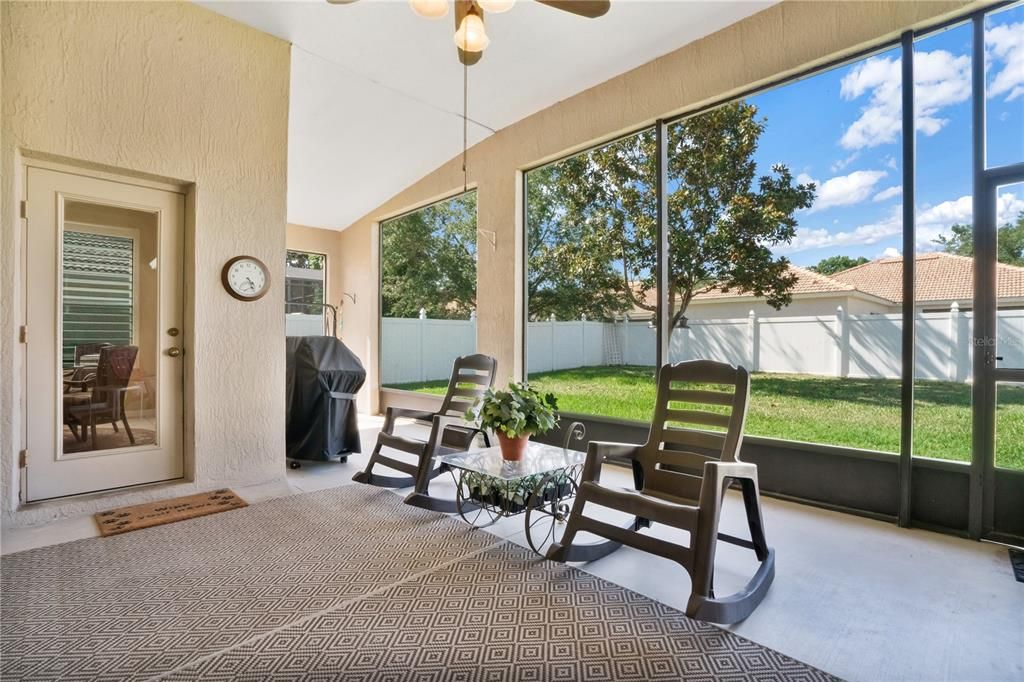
{"type": "Point", "coordinates": [321, 380]}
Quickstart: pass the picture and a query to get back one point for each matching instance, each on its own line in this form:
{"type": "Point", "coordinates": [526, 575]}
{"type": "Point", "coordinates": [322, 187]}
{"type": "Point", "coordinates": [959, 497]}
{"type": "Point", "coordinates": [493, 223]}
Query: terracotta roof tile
{"type": "Point", "coordinates": [807, 282]}
{"type": "Point", "coordinates": [940, 277]}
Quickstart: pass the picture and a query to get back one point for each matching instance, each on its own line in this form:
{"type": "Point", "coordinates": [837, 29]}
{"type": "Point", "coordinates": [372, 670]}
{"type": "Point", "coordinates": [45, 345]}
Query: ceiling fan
{"type": "Point", "coordinates": [470, 37]}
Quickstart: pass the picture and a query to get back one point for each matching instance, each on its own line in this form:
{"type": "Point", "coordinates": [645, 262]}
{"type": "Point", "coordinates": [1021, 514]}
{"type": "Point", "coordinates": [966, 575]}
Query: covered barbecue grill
{"type": "Point", "coordinates": [322, 378]}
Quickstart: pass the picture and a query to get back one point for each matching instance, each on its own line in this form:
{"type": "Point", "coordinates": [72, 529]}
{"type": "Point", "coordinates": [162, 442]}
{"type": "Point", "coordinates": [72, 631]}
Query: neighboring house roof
{"type": "Point", "coordinates": [939, 277]}
{"type": "Point", "coordinates": [807, 282]}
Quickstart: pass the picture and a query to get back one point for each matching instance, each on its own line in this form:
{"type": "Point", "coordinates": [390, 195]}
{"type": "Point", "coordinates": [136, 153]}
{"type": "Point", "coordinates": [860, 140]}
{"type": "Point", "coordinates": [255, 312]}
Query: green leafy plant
{"type": "Point", "coordinates": [517, 411]}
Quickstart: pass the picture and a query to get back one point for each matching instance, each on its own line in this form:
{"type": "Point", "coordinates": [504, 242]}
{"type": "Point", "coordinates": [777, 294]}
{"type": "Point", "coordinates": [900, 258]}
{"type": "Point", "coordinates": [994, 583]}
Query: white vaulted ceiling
{"type": "Point", "coordinates": [376, 91]}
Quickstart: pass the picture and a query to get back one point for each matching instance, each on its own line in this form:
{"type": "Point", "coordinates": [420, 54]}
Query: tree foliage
{"type": "Point", "coordinates": [592, 221]}
{"type": "Point", "coordinates": [834, 264]}
{"type": "Point", "coordinates": [428, 260]}
{"type": "Point", "coordinates": [1009, 244]}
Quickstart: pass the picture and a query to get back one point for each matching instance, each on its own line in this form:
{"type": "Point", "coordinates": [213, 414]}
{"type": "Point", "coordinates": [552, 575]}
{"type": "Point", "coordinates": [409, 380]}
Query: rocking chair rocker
{"type": "Point", "coordinates": [471, 376]}
{"type": "Point", "coordinates": [681, 474]}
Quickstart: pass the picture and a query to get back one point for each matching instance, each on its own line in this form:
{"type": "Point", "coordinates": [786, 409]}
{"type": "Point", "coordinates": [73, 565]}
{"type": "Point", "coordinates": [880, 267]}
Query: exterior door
{"type": "Point", "coordinates": [103, 368]}
{"type": "Point", "coordinates": [999, 361]}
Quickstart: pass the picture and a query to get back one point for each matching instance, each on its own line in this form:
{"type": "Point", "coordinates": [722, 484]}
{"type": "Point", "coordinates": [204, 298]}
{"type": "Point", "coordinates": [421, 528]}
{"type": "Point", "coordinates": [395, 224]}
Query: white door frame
{"type": "Point", "coordinates": [48, 472]}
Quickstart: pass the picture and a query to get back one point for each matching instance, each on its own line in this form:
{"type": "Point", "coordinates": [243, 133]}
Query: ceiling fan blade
{"type": "Point", "coordinates": [591, 9]}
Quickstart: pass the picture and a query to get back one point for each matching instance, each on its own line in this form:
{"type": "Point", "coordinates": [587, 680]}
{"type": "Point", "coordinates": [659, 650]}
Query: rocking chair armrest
{"type": "Point", "coordinates": [394, 413]}
{"type": "Point", "coordinates": [599, 451]}
{"type": "Point", "coordinates": [722, 470]}
{"type": "Point", "coordinates": [439, 424]}
{"type": "Point", "coordinates": [714, 485]}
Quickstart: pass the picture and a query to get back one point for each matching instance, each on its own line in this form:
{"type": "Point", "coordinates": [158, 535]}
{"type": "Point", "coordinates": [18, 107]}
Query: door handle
{"type": "Point", "coordinates": [174, 351]}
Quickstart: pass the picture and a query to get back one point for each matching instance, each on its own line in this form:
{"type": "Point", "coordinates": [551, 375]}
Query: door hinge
{"type": "Point", "coordinates": [23, 334]}
{"type": "Point", "coordinates": [24, 209]}
{"type": "Point", "coordinates": [23, 459]}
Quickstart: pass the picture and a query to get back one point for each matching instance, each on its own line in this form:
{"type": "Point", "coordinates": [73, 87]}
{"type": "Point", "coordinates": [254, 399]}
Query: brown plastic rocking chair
{"type": "Point", "coordinates": [471, 376]}
{"type": "Point", "coordinates": [681, 474]}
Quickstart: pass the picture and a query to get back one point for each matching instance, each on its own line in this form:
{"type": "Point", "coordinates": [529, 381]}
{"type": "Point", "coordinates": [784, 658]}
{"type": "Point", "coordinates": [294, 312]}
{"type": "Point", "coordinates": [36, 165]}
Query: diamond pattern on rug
{"type": "Point", "coordinates": [135, 605]}
{"type": "Point", "coordinates": [501, 615]}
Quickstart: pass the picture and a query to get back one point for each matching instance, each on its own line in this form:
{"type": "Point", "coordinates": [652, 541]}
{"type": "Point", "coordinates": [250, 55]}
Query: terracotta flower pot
{"type": "Point", "coordinates": [512, 449]}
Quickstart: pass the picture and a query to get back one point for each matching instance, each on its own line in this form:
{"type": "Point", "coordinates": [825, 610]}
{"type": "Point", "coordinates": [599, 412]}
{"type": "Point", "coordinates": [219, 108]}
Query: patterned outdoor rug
{"type": "Point", "coordinates": [343, 584]}
{"type": "Point", "coordinates": [139, 516]}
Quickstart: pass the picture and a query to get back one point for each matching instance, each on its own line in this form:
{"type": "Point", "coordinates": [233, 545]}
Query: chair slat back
{"type": "Point", "coordinates": [699, 416]}
{"type": "Point", "coordinates": [113, 371]}
{"type": "Point", "coordinates": [471, 376]}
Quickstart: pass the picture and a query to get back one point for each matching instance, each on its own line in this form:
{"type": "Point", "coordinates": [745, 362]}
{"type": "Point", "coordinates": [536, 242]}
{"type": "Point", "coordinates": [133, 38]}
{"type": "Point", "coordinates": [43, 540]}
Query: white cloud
{"type": "Point", "coordinates": [891, 252]}
{"type": "Point", "coordinates": [940, 79]}
{"type": "Point", "coordinates": [843, 190]}
{"type": "Point", "coordinates": [843, 163]}
{"type": "Point", "coordinates": [931, 222]}
{"type": "Point", "coordinates": [1005, 44]}
{"type": "Point", "coordinates": [888, 193]}
{"type": "Point", "coordinates": [815, 238]}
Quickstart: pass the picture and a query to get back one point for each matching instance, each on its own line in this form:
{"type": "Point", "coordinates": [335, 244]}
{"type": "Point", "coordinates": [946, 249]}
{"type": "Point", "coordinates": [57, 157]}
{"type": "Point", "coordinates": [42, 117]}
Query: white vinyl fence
{"type": "Point", "coordinates": [841, 345]}
{"type": "Point", "coordinates": [300, 324]}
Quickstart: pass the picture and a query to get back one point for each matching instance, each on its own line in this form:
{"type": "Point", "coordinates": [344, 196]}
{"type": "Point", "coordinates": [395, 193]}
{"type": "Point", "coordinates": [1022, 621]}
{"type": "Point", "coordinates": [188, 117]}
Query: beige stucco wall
{"type": "Point", "coordinates": [784, 39]}
{"type": "Point", "coordinates": [178, 92]}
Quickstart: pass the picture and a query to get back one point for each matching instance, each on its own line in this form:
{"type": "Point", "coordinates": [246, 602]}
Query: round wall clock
{"type": "Point", "coordinates": [246, 278]}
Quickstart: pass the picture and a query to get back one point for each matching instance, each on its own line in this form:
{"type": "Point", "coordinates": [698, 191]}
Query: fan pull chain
{"type": "Point", "coordinates": [465, 124]}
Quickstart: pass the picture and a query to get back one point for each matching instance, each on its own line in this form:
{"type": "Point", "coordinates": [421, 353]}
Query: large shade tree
{"type": "Point", "coordinates": [428, 261]}
{"type": "Point", "coordinates": [1009, 241]}
{"type": "Point", "coordinates": [592, 221]}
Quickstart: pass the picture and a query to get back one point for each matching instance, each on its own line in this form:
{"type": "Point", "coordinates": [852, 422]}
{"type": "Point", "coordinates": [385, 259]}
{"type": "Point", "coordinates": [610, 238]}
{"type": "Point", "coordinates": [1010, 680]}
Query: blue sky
{"type": "Point", "coordinates": [841, 129]}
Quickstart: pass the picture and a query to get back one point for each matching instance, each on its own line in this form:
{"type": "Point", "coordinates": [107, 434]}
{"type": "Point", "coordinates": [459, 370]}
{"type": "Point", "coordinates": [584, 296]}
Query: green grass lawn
{"type": "Point", "coordinates": [859, 413]}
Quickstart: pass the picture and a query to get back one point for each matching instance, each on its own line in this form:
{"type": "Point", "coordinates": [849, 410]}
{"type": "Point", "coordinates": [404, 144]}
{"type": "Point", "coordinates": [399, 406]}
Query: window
{"type": "Point", "coordinates": [305, 279]}
{"type": "Point", "coordinates": [428, 293]}
{"type": "Point", "coordinates": [784, 227]}
{"type": "Point", "coordinates": [944, 264]}
{"type": "Point", "coordinates": [591, 228]}
{"type": "Point", "coordinates": [1004, 86]}
{"type": "Point", "coordinates": [99, 291]}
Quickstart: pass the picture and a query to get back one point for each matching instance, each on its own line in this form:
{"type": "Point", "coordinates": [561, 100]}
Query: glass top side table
{"type": "Point", "coordinates": [542, 486]}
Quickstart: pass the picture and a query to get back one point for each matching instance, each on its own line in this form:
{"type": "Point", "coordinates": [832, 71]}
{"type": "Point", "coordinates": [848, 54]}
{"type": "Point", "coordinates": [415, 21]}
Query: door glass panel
{"type": "Point", "coordinates": [109, 317]}
{"type": "Point", "coordinates": [305, 274]}
{"type": "Point", "coordinates": [1010, 276]}
{"type": "Point", "coordinates": [1004, 86]}
{"type": "Point", "coordinates": [1010, 426]}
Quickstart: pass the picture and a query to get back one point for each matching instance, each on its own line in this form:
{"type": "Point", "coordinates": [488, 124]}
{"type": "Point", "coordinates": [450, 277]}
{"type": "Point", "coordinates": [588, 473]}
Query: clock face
{"type": "Point", "coordinates": [246, 278]}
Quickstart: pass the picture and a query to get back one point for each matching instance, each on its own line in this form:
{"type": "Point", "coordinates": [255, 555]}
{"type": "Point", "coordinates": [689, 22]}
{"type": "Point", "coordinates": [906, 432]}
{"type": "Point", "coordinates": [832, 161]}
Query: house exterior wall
{"type": "Point", "coordinates": [784, 39]}
{"type": "Point", "coordinates": [817, 305]}
{"type": "Point", "coordinates": [174, 92]}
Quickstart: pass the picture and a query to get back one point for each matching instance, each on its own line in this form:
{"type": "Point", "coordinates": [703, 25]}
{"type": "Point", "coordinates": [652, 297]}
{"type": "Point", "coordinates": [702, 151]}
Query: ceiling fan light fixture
{"type": "Point", "coordinates": [496, 6]}
{"type": "Point", "coordinates": [471, 36]}
{"type": "Point", "coordinates": [430, 9]}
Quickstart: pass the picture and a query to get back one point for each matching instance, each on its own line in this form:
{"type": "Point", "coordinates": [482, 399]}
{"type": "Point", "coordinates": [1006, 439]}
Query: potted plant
{"type": "Point", "coordinates": [514, 415]}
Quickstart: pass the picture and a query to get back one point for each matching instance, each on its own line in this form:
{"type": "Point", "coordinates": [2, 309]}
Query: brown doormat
{"type": "Point", "coordinates": [124, 519]}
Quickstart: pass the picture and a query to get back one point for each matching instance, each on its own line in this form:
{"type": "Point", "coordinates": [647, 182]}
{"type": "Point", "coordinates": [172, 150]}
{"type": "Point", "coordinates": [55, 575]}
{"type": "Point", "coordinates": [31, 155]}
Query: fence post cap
{"type": "Point", "coordinates": [955, 308]}
{"type": "Point", "coordinates": [583, 317]}
{"type": "Point", "coordinates": [752, 314]}
{"type": "Point", "coordinates": [551, 317]}
{"type": "Point", "coordinates": [472, 315]}
{"type": "Point", "coordinates": [423, 313]}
